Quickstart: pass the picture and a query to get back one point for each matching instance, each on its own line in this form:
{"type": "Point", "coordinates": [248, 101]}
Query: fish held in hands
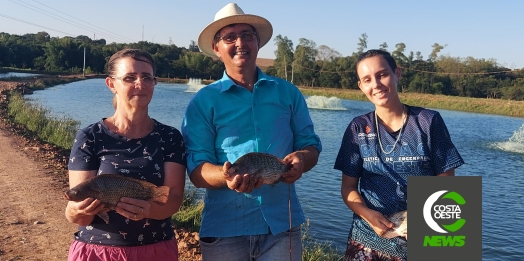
{"type": "Point", "coordinates": [109, 188]}
{"type": "Point", "coordinates": [400, 219]}
{"type": "Point", "coordinates": [260, 165]}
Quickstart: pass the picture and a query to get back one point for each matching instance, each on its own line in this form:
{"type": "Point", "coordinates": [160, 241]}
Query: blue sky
{"type": "Point", "coordinates": [480, 29]}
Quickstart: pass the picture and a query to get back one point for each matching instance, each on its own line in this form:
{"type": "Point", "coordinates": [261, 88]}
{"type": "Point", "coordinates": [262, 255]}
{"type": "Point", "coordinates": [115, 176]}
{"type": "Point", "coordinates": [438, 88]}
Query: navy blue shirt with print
{"type": "Point", "coordinates": [98, 148]}
{"type": "Point", "coordinates": [424, 149]}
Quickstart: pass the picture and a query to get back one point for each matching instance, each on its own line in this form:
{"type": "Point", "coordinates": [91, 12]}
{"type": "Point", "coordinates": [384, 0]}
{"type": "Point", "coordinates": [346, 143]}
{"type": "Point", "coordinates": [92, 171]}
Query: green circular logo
{"type": "Point", "coordinates": [442, 213]}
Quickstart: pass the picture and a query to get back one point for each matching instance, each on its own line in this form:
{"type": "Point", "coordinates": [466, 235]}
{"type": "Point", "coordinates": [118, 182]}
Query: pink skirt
{"type": "Point", "coordinates": [164, 250]}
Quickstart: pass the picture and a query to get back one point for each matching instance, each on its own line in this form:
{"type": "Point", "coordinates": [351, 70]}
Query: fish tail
{"type": "Point", "coordinates": [160, 194]}
{"type": "Point", "coordinates": [104, 216]}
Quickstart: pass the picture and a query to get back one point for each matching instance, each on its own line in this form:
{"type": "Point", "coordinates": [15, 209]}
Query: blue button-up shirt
{"type": "Point", "coordinates": [225, 121]}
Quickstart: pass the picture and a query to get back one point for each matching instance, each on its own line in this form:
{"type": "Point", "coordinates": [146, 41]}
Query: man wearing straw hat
{"type": "Point", "coordinates": [247, 111]}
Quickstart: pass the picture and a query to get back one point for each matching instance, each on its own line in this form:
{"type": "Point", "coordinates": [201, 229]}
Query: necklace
{"type": "Point", "coordinates": [399, 134]}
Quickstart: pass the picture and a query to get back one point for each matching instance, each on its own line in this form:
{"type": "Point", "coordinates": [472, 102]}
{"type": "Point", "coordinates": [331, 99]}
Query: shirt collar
{"type": "Point", "coordinates": [227, 83]}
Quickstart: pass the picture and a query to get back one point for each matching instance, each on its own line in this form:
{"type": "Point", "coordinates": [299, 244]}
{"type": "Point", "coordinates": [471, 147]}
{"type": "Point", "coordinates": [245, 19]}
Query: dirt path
{"type": "Point", "coordinates": [32, 221]}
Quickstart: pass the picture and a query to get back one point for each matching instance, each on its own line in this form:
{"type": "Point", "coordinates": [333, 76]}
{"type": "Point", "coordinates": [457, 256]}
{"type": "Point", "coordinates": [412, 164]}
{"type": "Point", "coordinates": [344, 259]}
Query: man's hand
{"type": "Point", "coordinates": [297, 160]}
{"type": "Point", "coordinates": [242, 183]}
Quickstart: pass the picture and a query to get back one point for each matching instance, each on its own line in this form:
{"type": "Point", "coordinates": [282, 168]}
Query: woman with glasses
{"type": "Point", "coordinates": [132, 144]}
{"type": "Point", "coordinates": [379, 151]}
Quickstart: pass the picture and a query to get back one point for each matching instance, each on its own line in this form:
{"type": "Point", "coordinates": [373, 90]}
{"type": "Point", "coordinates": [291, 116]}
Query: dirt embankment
{"type": "Point", "coordinates": [32, 180]}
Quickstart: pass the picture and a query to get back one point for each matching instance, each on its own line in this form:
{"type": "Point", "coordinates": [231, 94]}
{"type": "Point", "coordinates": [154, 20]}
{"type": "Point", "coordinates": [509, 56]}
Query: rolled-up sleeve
{"type": "Point", "coordinates": [198, 133]}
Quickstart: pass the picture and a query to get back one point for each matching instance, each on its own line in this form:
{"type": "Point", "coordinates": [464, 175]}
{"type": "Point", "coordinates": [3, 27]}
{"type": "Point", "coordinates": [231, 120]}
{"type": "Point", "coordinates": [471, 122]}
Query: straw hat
{"type": "Point", "coordinates": [233, 14]}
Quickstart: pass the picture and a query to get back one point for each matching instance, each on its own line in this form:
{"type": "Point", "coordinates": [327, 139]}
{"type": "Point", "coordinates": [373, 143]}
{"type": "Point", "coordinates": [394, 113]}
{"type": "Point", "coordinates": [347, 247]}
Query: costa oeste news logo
{"type": "Point", "coordinates": [444, 218]}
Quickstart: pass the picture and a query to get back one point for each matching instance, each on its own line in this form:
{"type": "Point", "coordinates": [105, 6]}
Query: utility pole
{"type": "Point", "coordinates": [84, 69]}
{"type": "Point", "coordinates": [142, 33]}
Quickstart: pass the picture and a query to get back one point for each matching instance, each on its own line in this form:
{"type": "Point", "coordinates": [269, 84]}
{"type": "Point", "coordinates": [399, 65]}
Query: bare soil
{"type": "Point", "coordinates": [263, 63]}
{"type": "Point", "coordinates": [32, 180]}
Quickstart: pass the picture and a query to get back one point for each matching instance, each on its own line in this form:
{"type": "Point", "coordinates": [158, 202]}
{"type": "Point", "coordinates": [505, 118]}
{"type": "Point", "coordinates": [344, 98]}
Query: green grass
{"type": "Point", "coordinates": [314, 250]}
{"type": "Point", "coordinates": [37, 119]}
{"type": "Point", "coordinates": [189, 216]}
{"type": "Point", "coordinates": [455, 103]}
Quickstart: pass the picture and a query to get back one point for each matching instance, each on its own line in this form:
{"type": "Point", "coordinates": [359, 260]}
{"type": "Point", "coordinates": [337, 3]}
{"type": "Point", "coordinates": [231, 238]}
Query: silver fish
{"type": "Point", "coordinates": [401, 225]}
{"type": "Point", "coordinates": [261, 165]}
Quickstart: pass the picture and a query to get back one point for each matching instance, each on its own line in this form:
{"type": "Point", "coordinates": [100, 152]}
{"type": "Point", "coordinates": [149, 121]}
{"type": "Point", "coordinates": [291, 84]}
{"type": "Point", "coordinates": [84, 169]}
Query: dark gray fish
{"type": "Point", "coordinates": [261, 165]}
{"type": "Point", "coordinates": [109, 188]}
{"type": "Point", "coordinates": [401, 225]}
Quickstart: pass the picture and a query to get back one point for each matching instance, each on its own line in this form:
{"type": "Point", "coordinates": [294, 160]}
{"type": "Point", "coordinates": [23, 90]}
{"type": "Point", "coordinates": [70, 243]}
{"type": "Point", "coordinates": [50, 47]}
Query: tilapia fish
{"type": "Point", "coordinates": [401, 225]}
{"type": "Point", "coordinates": [261, 165]}
{"type": "Point", "coordinates": [109, 188]}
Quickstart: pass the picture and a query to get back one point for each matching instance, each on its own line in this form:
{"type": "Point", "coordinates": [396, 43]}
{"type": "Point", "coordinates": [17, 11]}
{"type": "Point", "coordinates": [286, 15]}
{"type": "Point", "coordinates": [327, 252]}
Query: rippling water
{"type": "Point", "coordinates": [491, 145]}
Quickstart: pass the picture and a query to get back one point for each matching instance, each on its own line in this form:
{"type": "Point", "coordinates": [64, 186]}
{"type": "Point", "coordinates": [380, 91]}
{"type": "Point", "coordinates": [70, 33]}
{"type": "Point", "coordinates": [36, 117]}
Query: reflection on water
{"type": "Point", "coordinates": [324, 103]}
{"type": "Point", "coordinates": [515, 142]}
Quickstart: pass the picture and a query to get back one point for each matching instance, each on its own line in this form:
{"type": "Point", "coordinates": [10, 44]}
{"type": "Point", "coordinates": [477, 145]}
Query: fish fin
{"type": "Point", "coordinates": [161, 194]}
{"type": "Point", "coordinates": [288, 167]}
{"type": "Point", "coordinates": [104, 216]}
{"type": "Point", "coordinates": [277, 181]}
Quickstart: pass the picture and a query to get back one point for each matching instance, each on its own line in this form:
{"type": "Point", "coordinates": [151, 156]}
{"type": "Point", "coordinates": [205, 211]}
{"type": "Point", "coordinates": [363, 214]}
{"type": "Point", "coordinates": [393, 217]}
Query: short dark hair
{"type": "Point", "coordinates": [376, 52]}
{"type": "Point", "coordinates": [136, 54]}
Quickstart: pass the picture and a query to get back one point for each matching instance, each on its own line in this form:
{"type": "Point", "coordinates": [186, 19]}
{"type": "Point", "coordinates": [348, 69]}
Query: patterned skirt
{"type": "Point", "coordinates": [357, 252]}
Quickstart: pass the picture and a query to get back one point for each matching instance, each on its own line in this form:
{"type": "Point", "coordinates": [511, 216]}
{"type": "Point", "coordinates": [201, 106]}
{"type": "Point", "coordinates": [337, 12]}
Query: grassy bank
{"type": "Point", "coordinates": [466, 104]}
{"type": "Point", "coordinates": [37, 119]}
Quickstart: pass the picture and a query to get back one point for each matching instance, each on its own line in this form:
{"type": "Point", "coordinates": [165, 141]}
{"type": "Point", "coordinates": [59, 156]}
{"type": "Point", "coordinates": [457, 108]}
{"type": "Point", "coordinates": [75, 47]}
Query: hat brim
{"type": "Point", "coordinates": [262, 26]}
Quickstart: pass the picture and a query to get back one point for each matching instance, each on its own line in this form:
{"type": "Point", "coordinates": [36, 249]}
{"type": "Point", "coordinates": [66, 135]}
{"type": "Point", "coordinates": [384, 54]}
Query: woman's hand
{"type": "Point", "coordinates": [82, 212]}
{"type": "Point", "coordinates": [377, 221]}
{"type": "Point", "coordinates": [134, 209]}
{"type": "Point", "coordinates": [86, 207]}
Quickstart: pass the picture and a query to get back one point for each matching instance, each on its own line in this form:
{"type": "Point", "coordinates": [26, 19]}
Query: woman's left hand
{"type": "Point", "coordinates": [134, 209]}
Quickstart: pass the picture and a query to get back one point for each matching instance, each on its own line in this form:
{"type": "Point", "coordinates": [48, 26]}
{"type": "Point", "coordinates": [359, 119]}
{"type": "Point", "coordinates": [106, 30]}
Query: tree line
{"type": "Point", "coordinates": [41, 52]}
{"type": "Point", "coordinates": [312, 65]}
{"type": "Point", "coordinates": [305, 65]}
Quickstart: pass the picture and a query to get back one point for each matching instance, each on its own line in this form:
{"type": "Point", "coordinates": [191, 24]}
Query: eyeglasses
{"type": "Point", "coordinates": [232, 38]}
{"type": "Point", "coordinates": [131, 79]}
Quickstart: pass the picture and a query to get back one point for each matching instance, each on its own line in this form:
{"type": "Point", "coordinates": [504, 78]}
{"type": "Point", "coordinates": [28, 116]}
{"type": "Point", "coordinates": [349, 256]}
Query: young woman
{"type": "Point", "coordinates": [129, 143]}
{"type": "Point", "coordinates": [379, 151]}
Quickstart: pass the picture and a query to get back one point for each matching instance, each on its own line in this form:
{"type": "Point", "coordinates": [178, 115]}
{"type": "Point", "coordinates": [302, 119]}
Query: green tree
{"type": "Point", "coordinates": [304, 63]}
{"type": "Point", "coordinates": [327, 74]}
{"type": "Point", "coordinates": [346, 68]}
{"type": "Point", "coordinates": [283, 57]}
{"type": "Point", "coordinates": [398, 54]}
{"type": "Point", "coordinates": [434, 53]}
{"type": "Point", "coordinates": [362, 43]}
{"type": "Point", "coordinates": [384, 46]}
